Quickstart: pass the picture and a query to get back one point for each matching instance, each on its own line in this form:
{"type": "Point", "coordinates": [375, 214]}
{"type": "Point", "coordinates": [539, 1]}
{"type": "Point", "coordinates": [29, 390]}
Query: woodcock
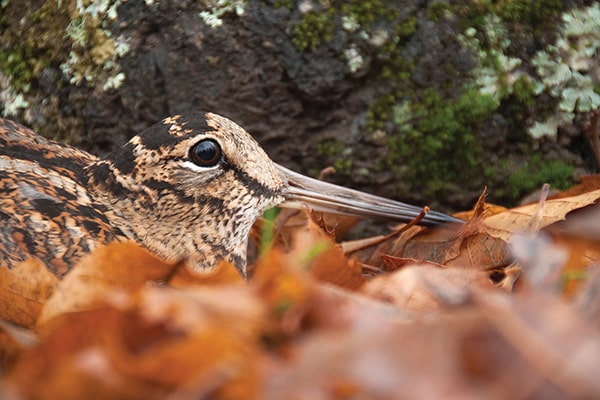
{"type": "Point", "coordinates": [188, 187]}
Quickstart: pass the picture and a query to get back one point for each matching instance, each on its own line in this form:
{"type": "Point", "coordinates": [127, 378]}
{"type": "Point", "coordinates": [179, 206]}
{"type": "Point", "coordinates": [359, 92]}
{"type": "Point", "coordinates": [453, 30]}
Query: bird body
{"type": "Point", "coordinates": [188, 187]}
{"type": "Point", "coordinates": [45, 208]}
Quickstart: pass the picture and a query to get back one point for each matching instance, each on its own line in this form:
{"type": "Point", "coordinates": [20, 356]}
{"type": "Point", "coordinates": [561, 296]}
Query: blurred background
{"type": "Point", "coordinates": [422, 101]}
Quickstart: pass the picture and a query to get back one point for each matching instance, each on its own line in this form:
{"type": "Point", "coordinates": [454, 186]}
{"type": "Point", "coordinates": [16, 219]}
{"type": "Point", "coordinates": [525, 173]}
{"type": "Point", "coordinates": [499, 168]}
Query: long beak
{"type": "Point", "coordinates": [326, 197]}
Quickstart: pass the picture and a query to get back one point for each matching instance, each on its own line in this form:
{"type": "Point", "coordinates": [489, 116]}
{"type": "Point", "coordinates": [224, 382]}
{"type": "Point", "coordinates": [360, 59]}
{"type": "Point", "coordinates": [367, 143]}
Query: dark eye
{"type": "Point", "coordinates": [206, 153]}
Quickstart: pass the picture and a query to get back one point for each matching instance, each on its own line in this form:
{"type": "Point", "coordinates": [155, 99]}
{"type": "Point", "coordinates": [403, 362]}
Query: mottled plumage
{"type": "Point", "coordinates": [188, 187]}
{"type": "Point", "coordinates": [45, 208]}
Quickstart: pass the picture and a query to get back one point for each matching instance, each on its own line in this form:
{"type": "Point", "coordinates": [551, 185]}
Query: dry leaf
{"type": "Point", "coordinates": [14, 340]}
{"type": "Point", "coordinates": [477, 250]}
{"type": "Point", "coordinates": [288, 221]}
{"type": "Point", "coordinates": [587, 299]}
{"type": "Point", "coordinates": [392, 263]}
{"type": "Point", "coordinates": [582, 223]}
{"type": "Point", "coordinates": [334, 307]}
{"type": "Point", "coordinates": [445, 246]}
{"type": "Point", "coordinates": [325, 258]}
{"type": "Point", "coordinates": [118, 265]}
{"type": "Point", "coordinates": [23, 291]}
{"type": "Point", "coordinates": [286, 290]}
{"type": "Point", "coordinates": [425, 287]}
{"type": "Point", "coordinates": [162, 341]}
{"type": "Point", "coordinates": [375, 358]}
{"type": "Point", "coordinates": [550, 335]}
{"type": "Point", "coordinates": [517, 220]}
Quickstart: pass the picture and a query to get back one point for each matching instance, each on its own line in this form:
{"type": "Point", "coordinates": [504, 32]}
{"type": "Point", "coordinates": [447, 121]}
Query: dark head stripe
{"type": "Point", "coordinates": [158, 135]}
{"type": "Point", "coordinates": [252, 184]}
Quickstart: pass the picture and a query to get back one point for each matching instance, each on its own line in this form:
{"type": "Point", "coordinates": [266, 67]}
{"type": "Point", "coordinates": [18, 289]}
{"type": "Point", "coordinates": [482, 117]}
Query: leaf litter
{"type": "Point", "coordinates": [507, 305]}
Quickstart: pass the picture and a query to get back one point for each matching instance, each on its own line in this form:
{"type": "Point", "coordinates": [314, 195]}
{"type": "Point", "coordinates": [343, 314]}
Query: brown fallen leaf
{"type": "Point", "coordinates": [549, 334]}
{"type": "Point", "coordinates": [587, 299]}
{"type": "Point", "coordinates": [115, 266]}
{"type": "Point", "coordinates": [423, 288]}
{"type": "Point", "coordinates": [582, 223]}
{"type": "Point", "coordinates": [299, 329]}
{"type": "Point", "coordinates": [503, 277]}
{"type": "Point", "coordinates": [477, 250]}
{"type": "Point", "coordinates": [378, 358]}
{"type": "Point", "coordinates": [517, 220]}
{"type": "Point", "coordinates": [288, 221]}
{"type": "Point", "coordinates": [490, 210]}
{"type": "Point", "coordinates": [334, 307]}
{"type": "Point", "coordinates": [445, 246]}
{"type": "Point", "coordinates": [14, 341]}
{"type": "Point", "coordinates": [286, 290]}
{"type": "Point", "coordinates": [392, 263]}
{"type": "Point", "coordinates": [24, 290]}
{"type": "Point", "coordinates": [325, 259]}
{"type": "Point", "coordinates": [579, 236]}
{"type": "Point", "coordinates": [156, 343]}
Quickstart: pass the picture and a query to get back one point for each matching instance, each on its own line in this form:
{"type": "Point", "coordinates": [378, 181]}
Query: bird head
{"type": "Point", "coordinates": [192, 186]}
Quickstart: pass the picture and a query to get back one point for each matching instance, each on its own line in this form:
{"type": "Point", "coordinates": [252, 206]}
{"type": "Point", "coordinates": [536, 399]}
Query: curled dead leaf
{"type": "Point", "coordinates": [518, 220]}
{"type": "Point", "coordinates": [446, 246]}
{"type": "Point", "coordinates": [325, 259]}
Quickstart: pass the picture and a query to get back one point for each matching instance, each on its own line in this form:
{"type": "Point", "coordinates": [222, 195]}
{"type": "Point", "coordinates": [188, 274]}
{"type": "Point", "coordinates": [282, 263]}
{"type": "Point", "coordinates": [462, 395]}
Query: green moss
{"type": "Point", "coordinates": [70, 37]}
{"type": "Point", "coordinates": [535, 173]}
{"type": "Point", "coordinates": [395, 67]}
{"type": "Point", "coordinates": [407, 28]}
{"type": "Point", "coordinates": [525, 11]}
{"type": "Point", "coordinates": [315, 27]}
{"type": "Point", "coordinates": [318, 25]}
{"type": "Point", "coordinates": [380, 111]}
{"type": "Point", "coordinates": [394, 70]}
{"type": "Point", "coordinates": [523, 90]}
{"type": "Point", "coordinates": [343, 165]}
{"type": "Point", "coordinates": [329, 148]}
{"type": "Point", "coordinates": [536, 16]}
{"type": "Point", "coordinates": [333, 149]}
{"type": "Point", "coordinates": [438, 9]}
{"type": "Point", "coordinates": [20, 66]}
{"type": "Point", "coordinates": [282, 3]}
{"type": "Point", "coordinates": [438, 143]}
{"type": "Point", "coordinates": [32, 46]}
{"type": "Point", "coordinates": [531, 11]}
{"type": "Point", "coordinates": [367, 12]}
{"type": "Point", "coordinates": [512, 10]}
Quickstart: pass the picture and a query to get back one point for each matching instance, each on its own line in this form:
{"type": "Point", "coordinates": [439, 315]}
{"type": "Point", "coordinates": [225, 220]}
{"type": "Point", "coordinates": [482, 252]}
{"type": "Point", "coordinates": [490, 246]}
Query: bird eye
{"type": "Point", "coordinates": [206, 153]}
